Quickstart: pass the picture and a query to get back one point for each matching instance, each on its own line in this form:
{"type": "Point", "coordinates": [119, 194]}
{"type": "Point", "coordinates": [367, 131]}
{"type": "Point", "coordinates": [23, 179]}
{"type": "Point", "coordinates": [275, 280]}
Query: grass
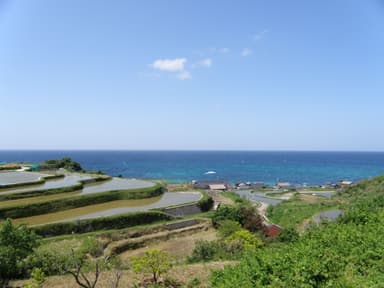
{"type": "Point", "coordinates": [179, 247]}
{"type": "Point", "coordinates": [233, 196]}
{"type": "Point", "coordinates": [293, 212]}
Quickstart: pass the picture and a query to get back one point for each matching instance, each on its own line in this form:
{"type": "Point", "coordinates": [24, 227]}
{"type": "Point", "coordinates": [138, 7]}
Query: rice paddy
{"type": "Point", "coordinates": [104, 209]}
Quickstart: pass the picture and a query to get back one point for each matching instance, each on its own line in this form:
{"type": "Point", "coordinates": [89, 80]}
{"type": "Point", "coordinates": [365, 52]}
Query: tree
{"type": "Point", "coordinates": [154, 262]}
{"type": "Point", "coordinates": [16, 243]}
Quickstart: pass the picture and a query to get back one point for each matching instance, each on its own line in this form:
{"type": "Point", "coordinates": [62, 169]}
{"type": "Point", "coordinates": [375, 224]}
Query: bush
{"type": "Point", "coordinates": [204, 251]}
{"type": "Point", "coordinates": [288, 235]}
{"type": "Point", "coordinates": [216, 250]}
{"type": "Point", "coordinates": [16, 243]}
{"type": "Point", "coordinates": [244, 213]}
{"type": "Point", "coordinates": [55, 258]}
{"type": "Point", "coordinates": [226, 213]}
{"type": "Point", "coordinates": [228, 227]}
{"type": "Point", "coordinates": [246, 239]}
{"type": "Point", "coordinates": [205, 203]}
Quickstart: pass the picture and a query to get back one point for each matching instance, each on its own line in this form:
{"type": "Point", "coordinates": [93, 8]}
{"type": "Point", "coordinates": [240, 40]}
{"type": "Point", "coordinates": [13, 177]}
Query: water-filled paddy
{"type": "Point", "coordinates": [68, 180]}
{"type": "Point", "coordinates": [74, 179]}
{"type": "Point", "coordinates": [7, 178]}
{"type": "Point", "coordinates": [114, 208]}
{"type": "Point", "coordinates": [116, 184]}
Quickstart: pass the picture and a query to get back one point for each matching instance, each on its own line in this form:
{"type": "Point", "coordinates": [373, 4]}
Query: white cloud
{"type": "Point", "coordinates": [184, 75]}
{"type": "Point", "coordinates": [260, 35]}
{"type": "Point", "coordinates": [169, 65]}
{"type": "Point", "coordinates": [246, 52]}
{"type": "Point", "coordinates": [206, 63]}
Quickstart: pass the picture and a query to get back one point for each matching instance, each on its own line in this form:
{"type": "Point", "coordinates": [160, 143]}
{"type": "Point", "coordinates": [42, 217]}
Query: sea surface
{"type": "Point", "coordinates": [310, 168]}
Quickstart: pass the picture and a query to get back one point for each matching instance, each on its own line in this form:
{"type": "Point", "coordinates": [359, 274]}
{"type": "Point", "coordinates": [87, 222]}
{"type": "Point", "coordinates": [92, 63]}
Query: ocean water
{"type": "Point", "coordinates": [312, 168]}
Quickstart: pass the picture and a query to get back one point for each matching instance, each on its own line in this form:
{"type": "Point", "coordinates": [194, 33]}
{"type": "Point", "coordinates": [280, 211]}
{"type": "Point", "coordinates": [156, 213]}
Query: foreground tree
{"type": "Point", "coordinates": [16, 243]}
{"type": "Point", "coordinates": [154, 262]}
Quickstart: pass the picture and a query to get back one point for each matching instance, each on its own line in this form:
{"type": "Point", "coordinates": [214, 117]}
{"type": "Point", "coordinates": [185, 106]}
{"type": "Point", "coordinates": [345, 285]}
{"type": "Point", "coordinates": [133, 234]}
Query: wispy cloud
{"type": "Point", "coordinates": [212, 51]}
{"type": "Point", "coordinates": [260, 35]}
{"type": "Point", "coordinates": [205, 63]}
{"type": "Point", "coordinates": [184, 75]}
{"type": "Point", "coordinates": [169, 65]}
{"type": "Point", "coordinates": [246, 52]}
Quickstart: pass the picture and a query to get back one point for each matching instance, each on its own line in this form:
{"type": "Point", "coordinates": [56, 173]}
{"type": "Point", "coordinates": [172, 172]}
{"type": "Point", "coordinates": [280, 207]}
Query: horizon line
{"type": "Point", "coordinates": [185, 150]}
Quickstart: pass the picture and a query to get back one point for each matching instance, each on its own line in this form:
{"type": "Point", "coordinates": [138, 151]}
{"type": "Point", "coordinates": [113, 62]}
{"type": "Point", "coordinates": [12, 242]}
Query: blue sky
{"type": "Point", "coordinates": [192, 75]}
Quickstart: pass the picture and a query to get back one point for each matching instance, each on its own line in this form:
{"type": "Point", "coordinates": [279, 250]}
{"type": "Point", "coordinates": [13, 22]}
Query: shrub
{"type": "Point", "coordinates": [288, 235]}
{"type": "Point", "coordinates": [245, 238]}
{"type": "Point", "coordinates": [204, 251]}
{"type": "Point", "coordinates": [205, 203]}
{"type": "Point", "coordinates": [228, 227]}
{"type": "Point", "coordinates": [226, 213]}
{"type": "Point", "coordinates": [16, 243]}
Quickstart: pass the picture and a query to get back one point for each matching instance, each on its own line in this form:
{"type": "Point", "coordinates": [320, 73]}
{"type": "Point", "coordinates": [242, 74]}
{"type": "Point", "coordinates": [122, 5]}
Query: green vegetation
{"type": "Point", "coordinates": [154, 262]}
{"type": "Point", "coordinates": [237, 227]}
{"type": "Point", "coordinates": [16, 243]}
{"type": "Point", "coordinates": [66, 163]}
{"type": "Point", "coordinates": [206, 202]}
{"type": "Point", "coordinates": [243, 213]}
{"type": "Point", "coordinates": [38, 278]}
{"type": "Point", "coordinates": [294, 211]}
{"type": "Point", "coordinates": [233, 196]}
{"type": "Point", "coordinates": [346, 253]}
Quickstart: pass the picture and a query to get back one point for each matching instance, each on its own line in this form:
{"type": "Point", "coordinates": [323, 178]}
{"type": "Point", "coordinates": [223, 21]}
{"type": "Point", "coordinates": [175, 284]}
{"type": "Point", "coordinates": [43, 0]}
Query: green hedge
{"type": "Point", "coordinates": [112, 222]}
{"type": "Point", "coordinates": [27, 210]}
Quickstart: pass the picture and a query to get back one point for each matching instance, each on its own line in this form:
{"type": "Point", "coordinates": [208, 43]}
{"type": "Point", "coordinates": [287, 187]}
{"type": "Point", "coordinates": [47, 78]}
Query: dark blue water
{"type": "Point", "coordinates": [313, 168]}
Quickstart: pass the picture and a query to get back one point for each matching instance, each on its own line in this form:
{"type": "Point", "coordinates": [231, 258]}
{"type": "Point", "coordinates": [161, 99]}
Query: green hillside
{"type": "Point", "coordinates": [346, 253]}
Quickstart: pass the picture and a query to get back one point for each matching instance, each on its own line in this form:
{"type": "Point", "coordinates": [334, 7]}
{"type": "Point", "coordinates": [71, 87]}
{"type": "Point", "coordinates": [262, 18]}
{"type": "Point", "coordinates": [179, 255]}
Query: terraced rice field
{"type": "Point", "coordinates": [7, 178]}
{"type": "Point", "coordinates": [91, 211]}
{"type": "Point", "coordinates": [74, 179]}
{"type": "Point", "coordinates": [67, 181]}
{"type": "Point", "coordinates": [113, 208]}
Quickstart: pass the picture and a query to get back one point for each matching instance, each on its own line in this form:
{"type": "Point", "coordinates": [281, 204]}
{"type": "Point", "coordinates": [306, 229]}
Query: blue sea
{"type": "Point", "coordinates": [311, 168]}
